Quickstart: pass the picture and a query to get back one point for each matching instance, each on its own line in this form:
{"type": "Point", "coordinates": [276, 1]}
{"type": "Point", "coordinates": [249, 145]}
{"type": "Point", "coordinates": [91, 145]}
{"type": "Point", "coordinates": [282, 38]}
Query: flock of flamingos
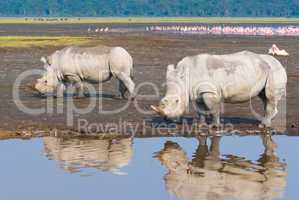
{"type": "Point", "coordinates": [230, 30]}
{"type": "Point", "coordinates": [221, 30]}
{"type": "Point", "coordinates": [286, 30]}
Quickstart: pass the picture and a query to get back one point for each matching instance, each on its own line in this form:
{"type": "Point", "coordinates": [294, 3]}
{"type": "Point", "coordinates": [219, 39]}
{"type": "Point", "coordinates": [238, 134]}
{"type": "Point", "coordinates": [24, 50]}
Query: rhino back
{"type": "Point", "coordinates": [89, 63]}
{"type": "Point", "coordinates": [235, 77]}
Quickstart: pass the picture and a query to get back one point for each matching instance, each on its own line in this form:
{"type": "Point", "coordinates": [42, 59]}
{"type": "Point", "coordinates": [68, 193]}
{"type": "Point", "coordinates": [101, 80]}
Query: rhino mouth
{"type": "Point", "coordinates": [158, 110]}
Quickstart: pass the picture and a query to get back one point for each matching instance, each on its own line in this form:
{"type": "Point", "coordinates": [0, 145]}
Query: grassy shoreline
{"type": "Point", "coordinates": [146, 20]}
{"type": "Point", "coordinates": [42, 41]}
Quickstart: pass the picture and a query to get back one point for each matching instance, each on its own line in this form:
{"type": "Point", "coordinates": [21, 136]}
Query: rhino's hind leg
{"type": "Point", "coordinates": [212, 102]}
{"type": "Point", "coordinates": [274, 91]}
{"type": "Point", "coordinates": [270, 107]}
{"type": "Point", "coordinates": [125, 83]}
{"type": "Point", "coordinates": [121, 88]}
{"type": "Point", "coordinates": [270, 112]}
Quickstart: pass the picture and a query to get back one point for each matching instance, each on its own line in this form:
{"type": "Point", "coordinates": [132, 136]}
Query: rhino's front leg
{"type": "Point", "coordinates": [201, 111]}
{"type": "Point", "coordinates": [60, 90]}
{"type": "Point", "coordinates": [77, 85]}
{"type": "Point", "coordinates": [80, 88]}
{"type": "Point", "coordinates": [213, 103]}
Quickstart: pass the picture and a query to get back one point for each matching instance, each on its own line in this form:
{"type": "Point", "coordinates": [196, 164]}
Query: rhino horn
{"type": "Point", "coordinates": [158, 110]}
{"type": "Point", "coordinates": [31, 86]}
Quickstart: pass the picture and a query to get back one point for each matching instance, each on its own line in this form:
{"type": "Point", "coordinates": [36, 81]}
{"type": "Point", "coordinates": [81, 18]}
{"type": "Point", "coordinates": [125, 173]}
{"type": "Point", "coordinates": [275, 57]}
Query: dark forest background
{"type": "Point", "coordinates": [93, 8]}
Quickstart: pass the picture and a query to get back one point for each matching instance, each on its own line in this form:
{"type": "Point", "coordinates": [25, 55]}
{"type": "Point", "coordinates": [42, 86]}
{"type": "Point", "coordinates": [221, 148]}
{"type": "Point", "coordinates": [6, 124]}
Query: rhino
{"type": "Point", "coordinates": [77, 65]}
{"type": "Point", "coordinates": [209, 80]}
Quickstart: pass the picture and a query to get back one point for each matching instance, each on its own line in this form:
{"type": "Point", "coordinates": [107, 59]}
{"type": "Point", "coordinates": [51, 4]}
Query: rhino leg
{"type": "Point", "coordinates": [121, 88]}
{"type": "Point", "coordinates": [201, 111]}
{"type": "Point", "coordinates": [80, 88]}
{"type": "Point", "coordinates": [125, 84]}
{"type": "Point", "coordinates": [212, 102]}
{"type": "Point", "coordinates": [60, 90]}
{"type": "Point", "coordinates": [272, 95]}
{"type": "Point", "coordinates": [270, 107]}
{"type": "Point", "coordinates": [271, 111]}
{"type": "Point", "coordinates": [77, 83]}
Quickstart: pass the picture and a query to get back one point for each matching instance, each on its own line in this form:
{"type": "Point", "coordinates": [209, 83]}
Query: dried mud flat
{"type": "Point", "coordinates": [151, 53]}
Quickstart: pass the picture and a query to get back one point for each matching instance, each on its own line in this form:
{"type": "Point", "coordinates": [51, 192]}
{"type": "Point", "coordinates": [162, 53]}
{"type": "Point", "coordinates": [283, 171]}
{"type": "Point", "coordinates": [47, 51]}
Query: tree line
{"type": "Point", "coordinates": [204, 8]}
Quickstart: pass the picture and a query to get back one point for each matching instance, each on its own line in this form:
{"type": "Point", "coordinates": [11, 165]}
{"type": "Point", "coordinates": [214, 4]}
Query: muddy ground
{"type": "Point", "coordinates": [152, 52]}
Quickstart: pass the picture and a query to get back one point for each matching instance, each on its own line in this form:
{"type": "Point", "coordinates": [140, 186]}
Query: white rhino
{"type": "Point", "coordinates": [212, 176]}
{"type": "Point", "coordinates": [209, 80]}
{"type": "Point", "coordinates": [86, 64]}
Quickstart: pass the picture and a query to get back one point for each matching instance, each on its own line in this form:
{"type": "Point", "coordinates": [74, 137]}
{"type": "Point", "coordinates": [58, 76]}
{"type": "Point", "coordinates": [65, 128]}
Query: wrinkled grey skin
{"type": "Point", "coordinates": [77, 65]}
{"type": "Point", "coordinates": [210, 80]}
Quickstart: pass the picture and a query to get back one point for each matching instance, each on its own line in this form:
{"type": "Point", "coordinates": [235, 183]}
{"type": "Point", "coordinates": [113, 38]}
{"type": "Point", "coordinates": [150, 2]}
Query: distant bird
{"type": "Point", "coordinates": [274, 50]}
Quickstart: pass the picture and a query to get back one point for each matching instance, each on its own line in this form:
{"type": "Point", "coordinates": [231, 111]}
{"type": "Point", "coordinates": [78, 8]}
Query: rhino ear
{"type": "Point", "coordinates": [170, 71]}
{"type": "Point", "coordinates": [44, 60]}
{"type": "Point", "coordinates": [170, 67]}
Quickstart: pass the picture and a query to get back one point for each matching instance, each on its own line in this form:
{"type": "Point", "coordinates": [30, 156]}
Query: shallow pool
{"type": "Point", "coordinates": [230, 167]}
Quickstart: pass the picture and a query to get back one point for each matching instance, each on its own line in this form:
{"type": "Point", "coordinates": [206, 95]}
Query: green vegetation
{"type": "Point", "coordinates": [147, 20]}
{"type": "Point", "coordinates": [202, 8]}
{"type": "Point", "coordinates": [35, 41]}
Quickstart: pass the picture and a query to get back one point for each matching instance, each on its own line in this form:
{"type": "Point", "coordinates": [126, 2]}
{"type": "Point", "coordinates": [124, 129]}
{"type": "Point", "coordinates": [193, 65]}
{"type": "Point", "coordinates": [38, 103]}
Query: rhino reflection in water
{"type": "Point", "coordinates": [74, 154]}
{"type": "Point", "coordinates": [209, 176]}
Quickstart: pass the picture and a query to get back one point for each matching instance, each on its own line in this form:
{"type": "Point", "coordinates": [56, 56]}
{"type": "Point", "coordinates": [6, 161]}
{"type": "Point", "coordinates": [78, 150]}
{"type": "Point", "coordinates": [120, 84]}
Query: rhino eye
{"type": "Point", "coordinates": [177, 101]}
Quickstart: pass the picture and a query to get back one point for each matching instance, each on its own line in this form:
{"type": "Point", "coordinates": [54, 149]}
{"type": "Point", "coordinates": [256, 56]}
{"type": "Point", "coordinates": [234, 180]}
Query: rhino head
{"type": "Point", "coordinates": [173, 157]}
{"type": "Point", "coordinates": [49, 81]}
{"type": "Point", "coordinates": [176, 100]}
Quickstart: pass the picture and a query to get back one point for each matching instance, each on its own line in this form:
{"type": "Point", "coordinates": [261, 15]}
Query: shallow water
{"type": "Point", "coordinates": [249, 167]}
